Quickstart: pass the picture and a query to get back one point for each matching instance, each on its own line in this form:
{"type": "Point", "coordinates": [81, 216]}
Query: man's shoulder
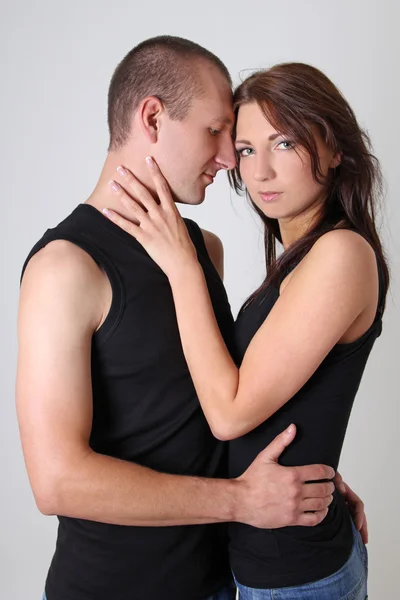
{"type": "Point", "coordinates": [61, 258]}
{"type": "Point", "coordinates": [215, 250]}
{"type": "Point", "coordinates": [211, 241]}
{"type": "Point", "coordinates": [64, 247]}
{"type": "Point", "coordinates": [64, 281]}
{"type": "Point", "coordinates": [65, 271]}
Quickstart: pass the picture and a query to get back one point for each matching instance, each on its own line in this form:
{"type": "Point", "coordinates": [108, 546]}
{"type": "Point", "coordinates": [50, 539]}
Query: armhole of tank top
{"type": "Point", "coordinates": [197, 235]}
{"type": "Point", "coordinates": [114, 315]}
{"type": "Point", "coordinates": [379, 310]}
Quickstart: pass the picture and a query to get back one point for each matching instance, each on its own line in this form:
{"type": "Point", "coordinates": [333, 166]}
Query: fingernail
{"type": "Point", "coordinates": [114, 185]}
{"type": "Point", "coordinates": [122, 171]}
{"type": "Point", "coordinates": [290, 429]}
{"type": "Point", "coordinates": [106, 212]}
{"type": "Point", "coordinates": [149, 161]}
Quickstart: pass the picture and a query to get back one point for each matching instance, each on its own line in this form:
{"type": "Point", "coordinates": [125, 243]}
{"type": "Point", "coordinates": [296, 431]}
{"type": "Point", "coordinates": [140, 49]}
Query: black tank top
{"type": "Point", "coordinates": [145, 410]}
{"type": "Point", "coordinates": [293, 556]}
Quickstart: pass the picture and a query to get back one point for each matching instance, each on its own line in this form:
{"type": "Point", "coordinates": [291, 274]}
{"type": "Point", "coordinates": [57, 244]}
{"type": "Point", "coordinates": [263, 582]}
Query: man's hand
{"type": "Point", "coordinates": [273, 496]}
{"type": "Point", "coordinates": [355, 506]}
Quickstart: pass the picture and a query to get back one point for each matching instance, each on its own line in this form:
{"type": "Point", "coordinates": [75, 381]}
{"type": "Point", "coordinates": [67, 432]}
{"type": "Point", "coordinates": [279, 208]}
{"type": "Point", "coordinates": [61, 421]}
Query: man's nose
{"type": "Point", "coordinates": [226, 156]}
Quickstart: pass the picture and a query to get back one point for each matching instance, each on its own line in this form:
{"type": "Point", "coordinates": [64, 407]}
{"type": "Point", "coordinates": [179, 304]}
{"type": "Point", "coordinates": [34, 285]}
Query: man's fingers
{"type": "Point", "coordinates": [315, 472]}
{"type": "Point", "coordinates": [273, 451]}
{"type": "Point", "coordinates": [318, 490]}
{"type": "Point", "coordinates": [316, 504]}
{"type": "Point", "coordinates": [312, 519]}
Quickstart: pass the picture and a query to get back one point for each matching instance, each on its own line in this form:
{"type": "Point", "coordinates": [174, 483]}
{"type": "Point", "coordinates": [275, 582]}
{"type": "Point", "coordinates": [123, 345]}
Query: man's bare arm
{"type": "Point", "coordinates": [64, 299]}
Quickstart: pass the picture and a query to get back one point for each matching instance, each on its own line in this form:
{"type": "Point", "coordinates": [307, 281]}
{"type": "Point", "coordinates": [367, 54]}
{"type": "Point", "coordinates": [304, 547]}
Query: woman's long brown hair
{"type": "Point", "coordinates": [296, 97]}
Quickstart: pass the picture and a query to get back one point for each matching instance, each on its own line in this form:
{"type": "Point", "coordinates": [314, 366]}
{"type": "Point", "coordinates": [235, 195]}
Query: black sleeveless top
{"type": "Point", "coordinates": [145, 410]}
{"type": "Point", "coordinates": [293, 556]}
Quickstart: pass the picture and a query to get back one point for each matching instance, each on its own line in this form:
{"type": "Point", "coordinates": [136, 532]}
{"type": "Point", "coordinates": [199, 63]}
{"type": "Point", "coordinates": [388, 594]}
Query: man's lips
{"type": "Point", "coordinates": [209, 177]}
{"type": "Point", "coordinates": [269, 196]}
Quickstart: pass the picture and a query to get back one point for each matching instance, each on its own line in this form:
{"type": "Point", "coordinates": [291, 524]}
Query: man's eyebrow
{"type": "Point", "coordinates": [225, 120]}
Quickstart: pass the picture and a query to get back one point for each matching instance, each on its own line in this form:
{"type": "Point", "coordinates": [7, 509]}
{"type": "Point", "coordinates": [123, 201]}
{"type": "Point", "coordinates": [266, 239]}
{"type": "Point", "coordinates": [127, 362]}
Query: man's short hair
{"type": "Point", "coordinates": [163, 67]}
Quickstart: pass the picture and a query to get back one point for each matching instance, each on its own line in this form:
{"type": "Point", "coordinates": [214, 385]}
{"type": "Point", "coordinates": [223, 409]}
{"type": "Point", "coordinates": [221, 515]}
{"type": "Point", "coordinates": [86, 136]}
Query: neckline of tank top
{"type": "Point", "coordinates": [114, 229]}
{"type": "Point", "coordinates": [93, 213]}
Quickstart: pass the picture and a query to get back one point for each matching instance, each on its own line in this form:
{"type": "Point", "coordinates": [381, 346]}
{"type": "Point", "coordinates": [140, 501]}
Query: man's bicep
{"type": "Point", "coordinates": [54, 397]}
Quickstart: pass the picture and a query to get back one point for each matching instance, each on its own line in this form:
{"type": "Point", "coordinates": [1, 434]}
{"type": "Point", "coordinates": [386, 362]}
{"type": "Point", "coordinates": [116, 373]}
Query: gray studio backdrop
{"type": "Point", "coordinates": [56, 62]}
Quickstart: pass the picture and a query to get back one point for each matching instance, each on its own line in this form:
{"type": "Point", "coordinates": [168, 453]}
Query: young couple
{"type": "Point", "coordinates": [134, 300]}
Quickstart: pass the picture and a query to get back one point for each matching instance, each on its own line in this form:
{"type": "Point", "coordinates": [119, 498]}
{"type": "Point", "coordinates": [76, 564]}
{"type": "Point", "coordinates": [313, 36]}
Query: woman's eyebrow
{"type": "Point", "coordinates": [271, 138]}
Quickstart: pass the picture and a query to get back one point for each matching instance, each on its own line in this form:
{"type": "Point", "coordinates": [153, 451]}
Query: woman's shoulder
{"type": "Point", "coordinates": [341, 256]}
{"type": "Point", "coordinates": [345, 238]}
{"type": "Point", "coordinates": [343, 247]}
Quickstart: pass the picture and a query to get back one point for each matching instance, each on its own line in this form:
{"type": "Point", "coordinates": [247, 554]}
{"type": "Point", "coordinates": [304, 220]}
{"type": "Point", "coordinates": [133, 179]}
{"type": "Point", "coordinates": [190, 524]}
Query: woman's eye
{"type": "Point", "coordinates": [214, 131]}
{"type": "Point", "coordinates": [286, 145]}
{"type": "Point", "coordinates": [244, 151]}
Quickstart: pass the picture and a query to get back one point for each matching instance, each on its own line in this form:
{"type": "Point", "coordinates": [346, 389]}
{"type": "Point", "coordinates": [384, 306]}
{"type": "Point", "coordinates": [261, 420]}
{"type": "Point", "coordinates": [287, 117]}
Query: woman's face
{"type": "Point", "coordinates": [277, 173]}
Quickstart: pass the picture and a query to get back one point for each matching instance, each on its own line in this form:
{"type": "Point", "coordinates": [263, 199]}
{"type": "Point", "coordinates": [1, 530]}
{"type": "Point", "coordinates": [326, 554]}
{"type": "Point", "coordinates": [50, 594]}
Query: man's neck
{"type": "Point", "coordinates": [102, 197]}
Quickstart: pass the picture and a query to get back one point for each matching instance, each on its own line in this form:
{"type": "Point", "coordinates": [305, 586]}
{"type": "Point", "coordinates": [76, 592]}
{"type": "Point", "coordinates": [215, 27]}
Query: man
{"type": "Point", "coordinates": [113, 435]}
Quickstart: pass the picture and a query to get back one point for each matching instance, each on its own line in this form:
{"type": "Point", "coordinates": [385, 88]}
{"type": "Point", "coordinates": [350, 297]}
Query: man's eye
{"type": "Point", "coordinates": [214, 131]}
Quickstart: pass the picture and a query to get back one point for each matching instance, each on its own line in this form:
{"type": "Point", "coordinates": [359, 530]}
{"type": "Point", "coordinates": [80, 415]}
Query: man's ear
{"type": "Point", "coordinates": [150, 110]}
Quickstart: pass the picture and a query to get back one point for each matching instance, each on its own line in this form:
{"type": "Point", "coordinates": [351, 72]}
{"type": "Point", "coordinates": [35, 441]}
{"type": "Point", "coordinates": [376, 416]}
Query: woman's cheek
{"type": "Point", "coordinates": [245, 173]}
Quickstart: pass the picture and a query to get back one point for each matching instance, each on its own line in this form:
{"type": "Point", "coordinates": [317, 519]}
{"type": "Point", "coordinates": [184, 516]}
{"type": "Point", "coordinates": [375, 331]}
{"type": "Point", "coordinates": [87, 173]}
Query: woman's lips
{"type": "Point", "coordinates": [269, 196]}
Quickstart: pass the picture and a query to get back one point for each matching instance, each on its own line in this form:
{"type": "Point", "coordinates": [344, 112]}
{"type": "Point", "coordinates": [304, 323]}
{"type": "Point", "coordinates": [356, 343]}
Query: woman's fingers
{"type": "Point", "coordinates": [364, 530]}
{"type": "Point", "coordinates": [136, 212]}
{"type": "Point", "coordinates": [137, 215]}
{"type": "Point", "coordinates": [162, 188]}
{"type": "Point", "coordinates": [135, 191]}
{"type": "Point", "coordinates": [357, 509]}
{"type": "Point", "coordinates": [132, 228]}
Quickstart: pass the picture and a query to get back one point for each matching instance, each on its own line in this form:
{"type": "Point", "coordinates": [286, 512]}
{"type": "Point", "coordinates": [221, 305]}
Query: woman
{"type": "Point", "coordinates": [303, 338]}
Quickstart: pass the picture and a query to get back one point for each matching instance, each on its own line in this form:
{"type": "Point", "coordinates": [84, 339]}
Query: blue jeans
{"type": "Point", "coordinates": [349, 583]}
